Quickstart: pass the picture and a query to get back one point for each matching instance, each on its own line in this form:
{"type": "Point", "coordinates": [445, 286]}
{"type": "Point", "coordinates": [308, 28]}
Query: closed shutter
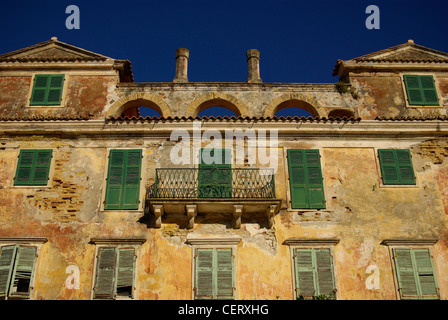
{"type": "Point", "coordinates": [224, 274]}
{"type": "Point", "coordinates": [125, 271]}
{"type": "Point", "coordinates": [23, 271]}
{"type": "Point", "coordinates": [421, 90]}
{"type": "Point", "coordinates": [204, 284]}
{"type": "Point", "coordinates": [415, 274]}
{"type": "Point", "coordinates": [305, 179]}
{"type": "Point", "coordinates": [215, 178]}
{"type": "Point", "coordinates": [105, 274]}
{"type": "Point", "coordinates": [313, 273]}
{"type": "Point", "coordinates": [47, 89]}
{"type": "Point", "coordinates": [123, 180]}
{"type": "Point", "coordinates": [304, 273]}
{"type": "Point", "coordinates": [33, 167]}
{"type": "Point", "coordinates": [7, 255]}
{"type": "Point", "coordinates": [396, 167]}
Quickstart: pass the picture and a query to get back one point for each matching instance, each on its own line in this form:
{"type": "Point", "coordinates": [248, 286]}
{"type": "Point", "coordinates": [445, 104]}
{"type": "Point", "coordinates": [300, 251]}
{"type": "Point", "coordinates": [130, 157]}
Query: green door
{"type": "Point", "coordinates": [215, 174]}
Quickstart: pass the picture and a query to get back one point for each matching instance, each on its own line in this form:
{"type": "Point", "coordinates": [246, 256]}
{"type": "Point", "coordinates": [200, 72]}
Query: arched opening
{"type": "Point", "coordinates": [340, 113]}
{"type": "Point", "coordinates": [140, 108]}
{"type": "Point", "coordinates": [295, 108]}
{"type": "Point", "coordinates": [217, 111]}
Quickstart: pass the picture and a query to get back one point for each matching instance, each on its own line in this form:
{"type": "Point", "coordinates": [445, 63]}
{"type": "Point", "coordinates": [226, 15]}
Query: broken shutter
{"type": "Point", "coordinates": [204, 288]}
{"type": "Point", "coordinates": [33, 167]}
{"type": "Point", "coordinates": [7, 255]}
{"type": "Point", "coordinates": [396, 167]}
{"type": "Point", "coordinates": [47, 89]}
{"type": "Point", "coordinates": [125, 271]}
{"type": "Point", "coordinates": [415, 274]}
{"type": "Point", "coordinates": [324, 272]}
{"type": "Point", "coordinates": [105, 274]}
{"type": "Point", "coordinates": [215, 178]}
{"type": "Point", "coordinates": [304, 274]}
{"type": "Point", "coordinates": [23, 271]}
{"type": "Point", "coordinates": [224, 273]}
{"type": "Point", "coordinates": [305, 178]}
{"type": "Point", "coordinates": [123, 180]}
{"type": "Point", "coordinates": [421, 90]}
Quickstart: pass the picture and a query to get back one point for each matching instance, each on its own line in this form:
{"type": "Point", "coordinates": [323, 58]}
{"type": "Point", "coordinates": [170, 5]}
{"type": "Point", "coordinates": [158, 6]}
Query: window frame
{"type": "Point", "coordinates": [418, 244]}
{"type": "Point", "coordinates": [63, 92]}
{"type": "Point", "coordinates": [288, 181]}
{"type": "Point", "coordinates": [380, 173]}
{"type": "Point", "coordinates": [405, 91]}
{"type": "Point", "coordinates": [214, 243]}
{"type": "Point", "coordinates": [328, 244]}
{"type": "Point", "coordinates": [50, 173]}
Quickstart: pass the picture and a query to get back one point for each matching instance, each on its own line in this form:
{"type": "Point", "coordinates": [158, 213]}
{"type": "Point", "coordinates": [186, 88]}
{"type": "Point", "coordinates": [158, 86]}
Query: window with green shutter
{"type": "Point", "coordinates": [214, 273]}
{"type": "Point", "coordinates": [421, 90]}
{"type": "Point", "coordinates": [114, 273]}
{"type": "Point", "coordinates": [16, 270]}
{"type": "Point", "coordinates": [305, 179]}
{"type": "Point", "coordinates": [33, 167]}
{"type": "Point", "coordinates": [415, 273]}
{"type": "Point", "coordinates": [123, 180]}
{"type": "Point", "coordinates": [396, 167]}
{"type": "Point", "coordinates": [47, 90]}
{"type": "Point", "coordinates": [314, 273]}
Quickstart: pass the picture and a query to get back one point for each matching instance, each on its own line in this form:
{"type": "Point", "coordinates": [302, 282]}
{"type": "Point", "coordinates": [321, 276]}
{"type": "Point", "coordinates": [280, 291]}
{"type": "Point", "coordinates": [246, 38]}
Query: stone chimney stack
{"type": "Point", "coordinates": [253, 61]}
{"type": "Point", "coordinates": [182, 57]}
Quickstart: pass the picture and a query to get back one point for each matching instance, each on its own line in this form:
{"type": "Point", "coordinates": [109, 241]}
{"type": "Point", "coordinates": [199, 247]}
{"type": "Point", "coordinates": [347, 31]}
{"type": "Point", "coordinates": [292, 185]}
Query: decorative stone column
{"type": "Point", "coordinates": [182, 57]}
{"type": "Point", "coordinates": [253, 62]}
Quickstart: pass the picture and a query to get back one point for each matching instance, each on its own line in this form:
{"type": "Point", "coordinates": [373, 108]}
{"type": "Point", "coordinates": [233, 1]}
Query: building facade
{"type": "Point", "coordinates": [98, 202]}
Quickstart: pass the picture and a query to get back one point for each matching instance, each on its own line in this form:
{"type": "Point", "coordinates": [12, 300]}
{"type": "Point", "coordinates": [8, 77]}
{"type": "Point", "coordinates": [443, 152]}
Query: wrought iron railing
{"type": "Point", "coordinates": [190, 183]}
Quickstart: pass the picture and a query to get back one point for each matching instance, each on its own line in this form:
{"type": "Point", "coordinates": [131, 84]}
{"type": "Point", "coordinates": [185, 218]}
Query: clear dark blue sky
{"type": "Point", "coordinates": [299, 41]}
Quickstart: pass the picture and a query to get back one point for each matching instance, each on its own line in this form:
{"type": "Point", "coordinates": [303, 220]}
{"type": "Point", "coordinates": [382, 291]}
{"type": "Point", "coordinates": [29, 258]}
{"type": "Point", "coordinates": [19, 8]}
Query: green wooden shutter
{"type": "Point", "coordinates": [7, 255]}
{"type": "Point", "coordinates": [47, 89]}
{"type": "Point", "coordinates": [413, 90]}
{"type": "Point", "coordinates": [33, 167]}
{"type": "Point", "coordinates": [405, 167]}
{"type": "Point", "coordinates": [204, 284]}
{"type": "Point", "coordinates": [324, 272]}
{"type": "Point", "coordinates": [407, 284]}
{"type": "Point", "coordinates": [125, 271]}
{"type": "Point", "coordinates": [425, 273]}
{"type": "Point", "coordinates": [429, 90]}
{"type": "Point", "coordinates": [304, 273]}
{"type": "Point", "coordinates": [23, 271]}
{"type": "Point", "coordinates": [215, 179]}
{"type": "Point", "coordinates": [131, 183]}
{"type": "Point", "coordinates": [396, 167]}
{"type": "Point", "coordinates": [305, 179]}
{"type": "Point", "coordinates": [123, 180]}
{"type": "Point", "coordinates": [105, 274]}
{"type": "Point", "coordinates": [224, 274]}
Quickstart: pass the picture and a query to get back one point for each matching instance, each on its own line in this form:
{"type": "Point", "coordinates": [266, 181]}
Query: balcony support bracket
{"type": "Point", "coordinates": [158, 213]}
{"type": "Point", "coordinates": [192, 211]}
{"type": "Point", "coordinates": [237, 213]}
{"type": "Point", "coordinates": [270, 213]}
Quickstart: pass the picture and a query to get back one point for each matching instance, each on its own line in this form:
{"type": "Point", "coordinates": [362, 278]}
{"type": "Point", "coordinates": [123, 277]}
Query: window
{"type": "Point", "coordinates": [396, 167]}
{"type": "Point", "coordinates": [123, 180]}
{"type": "Point", "coordinates": [114, 273]}
{"type": "Point", "coordinates": [214, 273]}
{"type": "Point", "coordinates": [313, 273]}
{"type": "Point", "coordinates": [33, 167]}
{"type": "Point", "coordinates": [215, 174]}
{"type": "Point", "coordinates": [16, 270]}
{"type": "Point", "coordinates": [305, 179]}
{"type": "Point", "coordinates": [47, 90]}
{"type": "Point", "coordinates": [421, 90]}
{"type": "Point", "coordinates": [415, 273]}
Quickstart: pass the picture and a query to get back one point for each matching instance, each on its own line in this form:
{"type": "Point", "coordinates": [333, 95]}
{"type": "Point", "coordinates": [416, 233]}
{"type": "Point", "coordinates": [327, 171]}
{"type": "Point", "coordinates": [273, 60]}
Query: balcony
{"type": "Point", "coordinates": [213, 192]}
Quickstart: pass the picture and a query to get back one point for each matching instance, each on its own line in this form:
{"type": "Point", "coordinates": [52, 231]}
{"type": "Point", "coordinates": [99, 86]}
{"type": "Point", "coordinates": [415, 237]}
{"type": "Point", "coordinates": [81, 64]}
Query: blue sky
{"type": "Point", "coordinates": [299, 41]}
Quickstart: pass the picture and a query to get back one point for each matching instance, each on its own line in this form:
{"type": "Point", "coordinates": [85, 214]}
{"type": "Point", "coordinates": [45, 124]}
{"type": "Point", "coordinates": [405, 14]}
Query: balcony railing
{"type": "Point", "coordinates": [194, 183]}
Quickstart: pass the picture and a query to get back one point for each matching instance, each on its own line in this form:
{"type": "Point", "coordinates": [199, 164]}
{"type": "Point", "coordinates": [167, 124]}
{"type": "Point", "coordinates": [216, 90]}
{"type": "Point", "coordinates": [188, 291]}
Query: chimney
{"type": "Point", "coordinates": [182, 57]}
{"type": "Point", "coordinates": [253, 61]}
